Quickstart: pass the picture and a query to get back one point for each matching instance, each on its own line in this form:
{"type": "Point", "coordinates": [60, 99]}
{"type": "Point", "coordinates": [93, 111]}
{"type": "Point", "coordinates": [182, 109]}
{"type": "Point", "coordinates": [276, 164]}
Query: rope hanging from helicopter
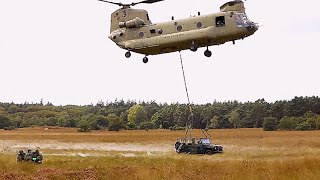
{"type": "Point", "coordinates": [191, 119]}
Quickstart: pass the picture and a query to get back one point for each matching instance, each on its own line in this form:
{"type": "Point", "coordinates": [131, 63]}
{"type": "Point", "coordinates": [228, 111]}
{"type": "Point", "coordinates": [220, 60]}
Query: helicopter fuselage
{"type": "Point", "coordinates": [176, 35]}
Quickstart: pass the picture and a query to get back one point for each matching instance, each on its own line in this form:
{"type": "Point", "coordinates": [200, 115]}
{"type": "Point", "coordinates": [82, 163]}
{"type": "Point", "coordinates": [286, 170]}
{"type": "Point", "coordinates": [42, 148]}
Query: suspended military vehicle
{"type": "Point", "coordinates": [132, 30]}
{"type": "Point", "coordinates": [197, 146]}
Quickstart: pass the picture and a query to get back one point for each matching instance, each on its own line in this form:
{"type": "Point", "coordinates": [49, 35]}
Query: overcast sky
{"type": "Point", "coordinates": [58, 51]}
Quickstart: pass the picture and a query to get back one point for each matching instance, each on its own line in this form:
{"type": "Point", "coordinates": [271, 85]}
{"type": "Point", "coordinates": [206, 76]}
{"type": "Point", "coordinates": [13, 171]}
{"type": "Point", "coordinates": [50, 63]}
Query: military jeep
{"type": "Point", "coordinates": [197, 146]}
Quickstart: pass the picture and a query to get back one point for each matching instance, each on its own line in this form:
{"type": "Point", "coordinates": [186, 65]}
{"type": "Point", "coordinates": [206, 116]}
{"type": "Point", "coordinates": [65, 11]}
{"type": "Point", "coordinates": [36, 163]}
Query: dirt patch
{"type": "Point", "coordinates": [13, 146]}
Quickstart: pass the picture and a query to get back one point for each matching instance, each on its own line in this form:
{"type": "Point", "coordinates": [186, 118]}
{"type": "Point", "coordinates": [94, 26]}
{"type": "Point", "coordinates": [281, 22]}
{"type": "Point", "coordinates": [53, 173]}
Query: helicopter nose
{"type": "Point", "coordinates": [252, 28]}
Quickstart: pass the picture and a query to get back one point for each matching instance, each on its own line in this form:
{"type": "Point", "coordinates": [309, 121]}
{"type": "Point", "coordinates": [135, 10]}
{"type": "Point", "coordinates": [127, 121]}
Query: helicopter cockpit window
{"type": "Point", "coordinates": [148, 17]}
{"type": "Point", "coordinates": [220, 21]}
{"type": "Point", "coordinates": [179, 28]}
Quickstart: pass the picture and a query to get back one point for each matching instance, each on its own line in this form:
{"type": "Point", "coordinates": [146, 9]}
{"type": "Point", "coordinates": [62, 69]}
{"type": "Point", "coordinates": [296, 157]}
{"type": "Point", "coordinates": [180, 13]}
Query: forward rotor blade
{"type": "Point", "coordinates": [119, 4]}
{"type": "Point", "coordinates": [150, 1]}
{"type": "Point", "coordinates": [146, 2]}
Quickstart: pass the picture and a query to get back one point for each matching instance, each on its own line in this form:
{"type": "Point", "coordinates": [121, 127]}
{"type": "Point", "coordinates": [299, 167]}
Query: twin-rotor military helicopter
{"type": "Point", "coordinates": [131, 29]}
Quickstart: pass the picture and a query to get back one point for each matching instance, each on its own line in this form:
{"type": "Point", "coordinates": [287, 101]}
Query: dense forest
{"type": "Point", "coordinates": [300, 113]}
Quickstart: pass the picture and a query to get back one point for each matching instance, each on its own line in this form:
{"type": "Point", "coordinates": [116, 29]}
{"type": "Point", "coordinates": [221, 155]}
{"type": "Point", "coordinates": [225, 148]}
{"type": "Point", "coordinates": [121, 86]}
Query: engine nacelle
{"type": "Point", "coordinates": [134, 23]}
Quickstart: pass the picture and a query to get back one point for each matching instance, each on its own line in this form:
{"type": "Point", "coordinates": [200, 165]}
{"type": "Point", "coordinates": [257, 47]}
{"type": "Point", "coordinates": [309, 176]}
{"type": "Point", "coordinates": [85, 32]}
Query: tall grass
{"type": "Point", "coordinates": [249, 154]}
{"type": "Point", "coordinates": [184, 167]}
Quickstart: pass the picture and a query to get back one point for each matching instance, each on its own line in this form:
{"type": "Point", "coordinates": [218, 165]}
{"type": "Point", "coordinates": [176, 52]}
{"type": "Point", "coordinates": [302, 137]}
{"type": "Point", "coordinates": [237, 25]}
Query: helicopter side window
{"type": "Point", "coordinates": [199, 25]}
{"type": "Point", "coordinates": [141, 34]}
{"type": "Point", "coordinates": [179, 28]}
{"type": "Point", "coordinates": [220, 21]}
{"type": "Point", "coordinates": [152, 31]}
{"type": "Point", "coordinates": [160, 31]}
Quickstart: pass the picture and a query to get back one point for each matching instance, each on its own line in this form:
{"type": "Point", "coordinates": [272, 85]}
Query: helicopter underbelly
{"type": "Point", "coordinates": [179, 41]}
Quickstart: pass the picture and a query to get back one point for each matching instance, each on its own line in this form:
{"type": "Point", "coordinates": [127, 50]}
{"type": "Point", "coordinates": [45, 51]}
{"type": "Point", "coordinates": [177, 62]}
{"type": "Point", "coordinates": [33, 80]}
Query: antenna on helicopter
{"type": "Point", "coordinates": [132, 4]}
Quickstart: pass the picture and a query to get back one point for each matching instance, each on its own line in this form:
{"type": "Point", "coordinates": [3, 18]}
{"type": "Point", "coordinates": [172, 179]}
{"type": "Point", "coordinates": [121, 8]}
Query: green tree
{"type": "Point", "coordinates": [234, 119]}
{"type": "Point", "coordinates": [115, 123]}
{"type": "Point", "coordinates": [269, 124]}
{"type": "Point", "coordinates": [5, 121]}
{"type": "Point", "coordinates": [13, 109]}
{"type": "Point", "coordinates": [124, 116]}
{"type": "Point", "coordinates": [17, 120]}
{"type": "Point", "coordinates": [137, 114]}
{"type": "Point", "coordinates": [287, 123]}
{"type": "Point", "coordinates": [102, 121]}
{"type": "Point", "coordinates": [84, 126]}
{"type": "Point", "coordinates": [214, 122]}
{"type": "Point", "coordinates": [318, 122]}
{"type": "Point", "coordinates": [52, 121]}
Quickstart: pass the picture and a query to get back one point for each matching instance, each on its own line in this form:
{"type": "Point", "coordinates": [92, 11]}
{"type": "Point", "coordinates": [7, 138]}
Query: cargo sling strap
{"type": "Point", "coordinates": [191, 119]}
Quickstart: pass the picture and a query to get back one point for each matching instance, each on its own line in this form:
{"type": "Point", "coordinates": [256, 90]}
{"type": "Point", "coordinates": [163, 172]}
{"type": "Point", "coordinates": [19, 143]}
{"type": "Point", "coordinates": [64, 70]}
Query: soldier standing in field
{"type": "Point", "coordinates": [28, 155]}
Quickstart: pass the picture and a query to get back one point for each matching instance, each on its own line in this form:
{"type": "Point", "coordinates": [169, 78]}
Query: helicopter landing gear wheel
{"type": "Point", "coordinates": [128, 54]}
{"type": "Point", "coordinates": [207, 53]}
{"type": "Point", "coordinates": [145, 59]}
{"type": "Point", "coordinates": [193, 47]}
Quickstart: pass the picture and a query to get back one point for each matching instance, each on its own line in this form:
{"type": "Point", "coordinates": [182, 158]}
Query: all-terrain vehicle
{"type": "Point", "coordinates": [197, 146]}
{"type": "Point", "coordinates": [35, 156]}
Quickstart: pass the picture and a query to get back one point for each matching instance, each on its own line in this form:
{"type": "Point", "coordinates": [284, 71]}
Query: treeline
{"type": "Point", "coordinates": [300, 113]}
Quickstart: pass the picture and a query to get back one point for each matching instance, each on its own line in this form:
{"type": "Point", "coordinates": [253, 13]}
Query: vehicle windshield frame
{"type": "Point", "coordinates": [205, 141]}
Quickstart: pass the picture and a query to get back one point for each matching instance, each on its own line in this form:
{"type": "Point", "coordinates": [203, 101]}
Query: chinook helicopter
{"type": "Point", "coordinates": [132, 30]}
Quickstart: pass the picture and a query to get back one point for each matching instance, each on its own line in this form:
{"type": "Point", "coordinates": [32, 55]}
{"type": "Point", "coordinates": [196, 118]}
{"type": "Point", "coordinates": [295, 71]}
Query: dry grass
{"type": "Point", "coordinates": [249, 154]}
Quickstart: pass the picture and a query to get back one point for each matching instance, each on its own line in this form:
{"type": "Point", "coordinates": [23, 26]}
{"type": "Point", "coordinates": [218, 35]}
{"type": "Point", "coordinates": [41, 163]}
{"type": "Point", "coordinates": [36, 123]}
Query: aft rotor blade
{"type": "Point", "coordinates": [119, 4]}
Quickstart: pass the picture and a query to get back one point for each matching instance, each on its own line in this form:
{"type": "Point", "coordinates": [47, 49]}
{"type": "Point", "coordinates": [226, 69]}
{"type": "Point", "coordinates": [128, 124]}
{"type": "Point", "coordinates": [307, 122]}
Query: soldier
{"type": "Point", "coordinates": [28, 155]}
{"type": "Point", "coordinates": [20, 156]}
{"type": "Point", "coordinates": [35, 154]}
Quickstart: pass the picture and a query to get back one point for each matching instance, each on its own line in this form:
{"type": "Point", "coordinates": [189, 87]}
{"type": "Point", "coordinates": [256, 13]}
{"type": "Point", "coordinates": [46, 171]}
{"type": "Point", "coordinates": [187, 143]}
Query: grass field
{"type": "Point", "coordinates": [249, 154]}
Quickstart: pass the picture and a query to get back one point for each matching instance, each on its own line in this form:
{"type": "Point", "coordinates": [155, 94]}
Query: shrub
{"type": "Point", "coordinates": [115, 123]}
{"type": "Point", "coordinates": [84, 126]}
{"type": "Point", "coordinates": [287, 123]}
{"type": "Point", "coordinates": [83, 130]}
{"type": "Point", "coordinates": [304, 126]}
{"type": "Point", "coordinates": [269, 124]}
{"type": "Point", "coordinates": [131, 126]}
{"type": "Point", "coordinates": [9, 128]}
{"type": "Point", "coordinates": [176, 128]}
{"type": "Point", "coordinates": [147, 125]}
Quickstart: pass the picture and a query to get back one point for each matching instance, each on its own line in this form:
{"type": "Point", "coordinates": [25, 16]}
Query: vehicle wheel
{"type": "Point", "coordinates": [207, 53]}
{"type": "Point", "coordinates": [209, 152]}
{"type": "Point", "coordinates": [193, 48]}
{"type": "Point", "coordinates": [145, 59]}
{"type": "Point", "coordinates": [128, 54]}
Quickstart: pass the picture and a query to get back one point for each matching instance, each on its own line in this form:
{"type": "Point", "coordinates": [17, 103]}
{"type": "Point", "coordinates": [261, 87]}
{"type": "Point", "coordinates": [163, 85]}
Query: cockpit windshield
{"type": "Point", "coordinates": [242, 20]}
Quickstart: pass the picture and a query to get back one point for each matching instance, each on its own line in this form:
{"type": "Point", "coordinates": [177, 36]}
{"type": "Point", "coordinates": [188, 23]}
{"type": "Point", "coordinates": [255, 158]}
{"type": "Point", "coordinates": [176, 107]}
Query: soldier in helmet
{"type": "Point", "coordinates": [28, 155]}
{"type": "Point", "coordinates": [20, 156]}
{"type": "Point", "coordinates": [35, 154]}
